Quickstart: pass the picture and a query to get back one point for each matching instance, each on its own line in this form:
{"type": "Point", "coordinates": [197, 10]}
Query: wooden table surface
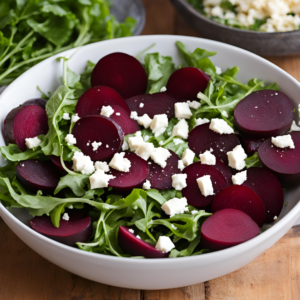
{"type": "Point", "coordinates": [274, 275]}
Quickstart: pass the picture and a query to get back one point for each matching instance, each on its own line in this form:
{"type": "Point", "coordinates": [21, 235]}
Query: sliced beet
{"type": "Point", "coordinates": [134, 246]}
{"type": "Point", "coordinates": [186, 83]}
{"type": "Point", "coordinates": [153, 104]}
{"type": "Point", "coordinates": [266, 185]}
{"type": "Point", "coordinates": [250, 145]}
{"type": "Point", "coordinates": [264, 114]}
{"type": "Point", "coordinates": [78, 229]}
{"type": "Point", "coordinates": [161, 179]}
{"type": "Point", "coordinates": [225, 170]}
{"type": "Point", "coordinates": [126, 181]}
{"type": "Point", "coordinates": [192, 191]}
{"type": "Point", "coordinates": [242, 198]}
{"type": "Point", "coordinates": [91, 129]}
{"type": "Point", "coordinates": [122, 72]}
{"type": "Point", "coordinates": [37, 175]}
{"type": "Point", "coordinates": [283, 162]}
{"type": "Point", "coordinates": [201, 138]}
{"type": "Point", "coordinates": [38, 101]}
{"type": "Point", "coordinates": [91, 101]}
{"type": "Point", "coordinates": [25, 122]}
{"type": "Point", "coordinates": [122, 117]}
{"type": "Point", "coordinates": [56, 162]}
{"type": "Point", "coordinates": [227, 228]}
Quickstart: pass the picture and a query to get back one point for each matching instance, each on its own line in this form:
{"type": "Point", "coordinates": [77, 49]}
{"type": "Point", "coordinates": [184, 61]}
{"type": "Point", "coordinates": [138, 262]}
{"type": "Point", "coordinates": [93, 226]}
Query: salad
{"type": "Point", "coordinates": [151, 159]}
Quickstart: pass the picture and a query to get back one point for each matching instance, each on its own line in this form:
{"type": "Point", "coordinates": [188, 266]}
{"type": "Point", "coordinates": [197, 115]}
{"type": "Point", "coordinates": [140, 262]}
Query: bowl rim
{"type": "Point", "coordinates": [195, 12]}
{"type": "Point", "coordinates": [218, 255]}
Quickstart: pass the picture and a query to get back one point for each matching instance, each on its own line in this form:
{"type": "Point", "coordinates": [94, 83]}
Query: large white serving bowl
{"type": "Point", "coordinates": [148, 273]}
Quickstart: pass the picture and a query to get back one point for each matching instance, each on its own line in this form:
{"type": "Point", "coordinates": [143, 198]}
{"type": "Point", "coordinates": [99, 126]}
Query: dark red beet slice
{"type": "Point", "coordinates": [78, 229]}
{"type": "Point", "coordinates": [56, 162]}
{"type": "Point", "coordinates": [186, 83]}
{"type": "Point", "coordinates": [134, 246]}
{"type": "Point", "coordinates": [38, 101]}
{"type": "Point", "coordinates": [154, 104]}
{"type": "Point", "coordinates": [91, 101]}
{"type": "Point", "coordinates": [122, 117]}
{"type": "Point", "coordinates": [98, 129]}
{"type": "Point", "coordinates": [122, 72]}
{"type": "Point", "coordinates": [242, 198]}
{"type": "Point", "coordinates": [225, 170]}
{"type": "Point", "coordinates": [227, 228]}
{"type": "Point", "coordinates": [264, 114]}
{"type": "Point", "coordinates": [266, 185]}
{"type": "Point", "coordinates": [192, 191]}
{"type": "Point", "coordinates": [126, 181]}
{"type": "Point", "coordinates": [250, 145]}
{"type": "Point", "coordinates": [283, 162]}
{"type": "Point", "coordinates": [25, 122]}
{"type": "Point", "coordinates": [201, 138]}
{"type": "Point", "coordinates": [37, 175]}
{"type": "Point", "coordinates": [161, 179]}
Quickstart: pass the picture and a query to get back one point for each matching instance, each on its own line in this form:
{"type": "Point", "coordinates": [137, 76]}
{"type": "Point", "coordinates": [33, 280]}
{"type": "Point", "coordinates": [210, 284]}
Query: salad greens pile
{"type": "Point", "coordinates": [142, 208]}
{"type": "Point", "coordinates": [33, 30]}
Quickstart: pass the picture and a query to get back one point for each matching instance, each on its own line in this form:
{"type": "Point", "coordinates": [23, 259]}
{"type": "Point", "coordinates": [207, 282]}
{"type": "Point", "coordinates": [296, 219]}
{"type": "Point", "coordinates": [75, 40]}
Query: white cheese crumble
{"type": "Point", "coordinates": [138, 133]}
{"type": "Point", "coordinates": [236, 158]}
{"type": "Point", "coordinates": [134, 115]}
{"type": "Point", "coordinates": [141, 105]}
{"type": "Point", "coordinates": [120, 163]}
{"type": "Point", "coordinates": [205, 185]}
{"type": "Point", "coordinates": [182, 110]}
{"type": "Point", "coordinates": [164, 244]}
{"type": "Point", "coordinates": [124, 146]}
{"type": "Point", "coordinates": [179, 181]}
{"type": "Point", "coordinates": [284, 141]}
{"type": "Point", "coordinates": [163, 89]}
{"type": "Point", "coordinates": [218, 69]}
{"type": "Point", "coordinates": [207, 158]}
{"type": "Point", "coordinates": [96, 145]}
{"type": "Point", "coordinates": [66, 116]}
{"type": "Point", "coordinates": [239, 178]}
{"type": "Point", "coordinates": [131, 230]}
{"type": "Point", "coordinates": [66, 217]}
{"type": "Point", "coordinates": [177, 141]}
{"type": "Point", "coordinates": [145, 150]}
{"type": "Point", "coordinates": [200, 121]}
{"type": "Point", "coordinates": [180, 165]}
{"type": "Point", "coordinates": [174, 227]}
{"type": "Point", "coordinates": [83, 163]}
{"type": "Point", "coordinates": [118, 114]}
{"type": "Point", "coordinates": [159, 124]}
{"type": "Point", "coordinates": [193, 212]}
{"type": "Point", "coordinates": [147, 185]}
{"type": "Point", "coordinates": [102, 165]}
{"type": "Point", "coordinates": [75, 118]}
{"type": "Point", "coordinates": [145, 121]}
{"type": "Point", "coordinates": [100, 180]}
{"type": "Point", "coordinates": [70, 139]}
{"type": "Point", "coordinates": [294, 127]}
{"type": "Point", "coordinates": [225, 114]}
{"type": "Point", "coordinates": [134, 142]}
{"type": "Point", "coordinates": [181, 129]}
{"type": "Point", "coordinates": [138, 237]}
{"type": "Point", "coordinates": [32, 142]}
{"type": "Point", "coordinates": [188, 157]}
{"type": "Point", "coordinates": [160, 155]}
{"type": "Point", "coordinates": [220, 126]}
{"type": "Point", "coordinates": [174, 206]}
{"type": "Point", "coordinates": [107, 111]}
{"type": "Point", "coordinates": [193, 104]}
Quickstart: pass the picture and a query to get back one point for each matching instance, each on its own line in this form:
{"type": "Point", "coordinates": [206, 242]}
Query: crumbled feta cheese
{"type": "Point", "coordinates": [138, 237]}
{"type": "Point", "coordinates": [163, 89]}
{"type": "Point", "coordinates": [159, 124]}
{"type": "Point", "coordinates": [160, 155]}
{"type": "Point", "coordinates": [239, 178]}
{"type": "Point", "coordinates": [188, 157]}
{"type": "Point", "coordinates": [83, 163]}
{"type": "Point", "coordinates": [225, 114]}
{"type": "Point", "coordinates": [66, 217]}
{"type": "Point", "coordinates": [193, 212]}
{"type": "Point", "coordinates": [174, 227]}
{"type": "Point", "coordinates": [66, 116]}
{"type": "Point", "coordinates": [75, 118]}
{"type": "Point", "coordinates": [107, 111]}
{"type": "Point", "coordinates": [174, 206]}
{"type": "Point", "coordinates": [181, 129]}
{"type": "Point", "coordinates": [32, 142]}
{"type": "Point", "coordinates": [145, 150]}
{"type": "Point", "coordinates": [294, 127]}
{"type": "Point", "coordinates": [138, 133]}
{"type": "Point", "coordinates": [218, 69]}
{"type": "Point", "coordinates": [101, 165]}
{"type": "Point", "coordinates": [147, 185]}
{"type": "Point", "coordinates": [177, 141]}
{"type": "Point", "coordinates": [220, 126]}
{"type": "Point", "coordinates": [70, 139]}
{"type": "Point", "coordinates": [236, 158]}
{"type": "Point", "coordinates": [131, 230]}
{"type": "Point", "coordinates": [180, 165]}
{"type": "Point", "coordinates": [141, 105]}
{"type": "Point", "coordinates": [96, 145]}
{"type": "Point", "coordinates": [134, 115]}
{"type": "Point", "coordinates": [205, 185]}
{"type": "Point", "coordinates": [200, 121]}
{"type": "Point", "coordinates": [70, 207]}
{"type": "Point", "coordinates": [124, 146]}
{"type": "Point", "coordinates": [161, 143]}
{"type": "Point", "coordinates": [134, 142]}
{"type": "Point", "coordinates": [283, 141]}
{"type": "Point", "coordinates": [207, 158]}
{"type": "Point", "coordinates": [100, 180]}
{"type": "Point", "coordinates": [179, 181]}
{"type": "Point", "coordinates": [120, 163]}
{"type": "Point", "coordinates": [118, 114]}
{"type": "Point", "coordinates": [182, 110]}
{"type": "Point", "coordinates": [146, 138]}
{"type": "Point", "coordinates": [164, 244]}
{"type": "Point", "coordinates": [193, 104]}
{"type": "Point", "coordinates": [145, 121]}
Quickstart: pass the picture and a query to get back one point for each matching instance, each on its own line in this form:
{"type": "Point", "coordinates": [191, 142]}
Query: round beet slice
{"type": "Point", "coordinates": [283, 162]}
{"type": "Point", "coordinates": [56, 162]}
{"type": "Point", "coordinates": [225, 170]}
{"type": "Point", "coordinates": [38, 101]}
{"type": "Point", "coordinates": [138, 172]}
{"type": "Point", "coordinates": [264, 114]}
{"type": "Point", "coordinates": [192, 191]}
{"type": "Point", "coordinates": [153, 104]}
{"type": "Point", "coordinates": [122, 72]}
{"type": "Point", "coordinates": [161, 179]}
{"type": "Point", "coordinates": [91, 101]}
{"type": "Point", "coordinates": [122, 117]}
{"type": "Point", "coordinates": [186, 83]}
{"type": "Point", "coordinates": [266, 185]}
{"type": "Point", "coordinates": [201, 138]}
{"type": "Point", "coordinates": [37, 175]}
{"type": "Point", "coordinates": [134, 246]}
{"type": "Point", "coordinates": [25, 122]}
{"type": "Point", "coordinates": [78, 229]}
{"type": "Point", "coordinates": [250, 145]}
{"type": "Point", "coordinates": [92, 129]}
{"type": "Point", "coordinates": [242, 198]}
{"type": "Point", "coordinates": [227, 228]}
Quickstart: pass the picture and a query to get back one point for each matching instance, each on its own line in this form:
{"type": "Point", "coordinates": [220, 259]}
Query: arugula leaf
{"type": "Point", "coordinates": [13, 153]}
{"type": "Point", "coordinates": [253, 161]}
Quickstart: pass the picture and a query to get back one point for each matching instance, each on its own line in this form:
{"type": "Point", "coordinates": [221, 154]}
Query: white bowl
{"type": "Point", "coordinates": [148, 273]}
